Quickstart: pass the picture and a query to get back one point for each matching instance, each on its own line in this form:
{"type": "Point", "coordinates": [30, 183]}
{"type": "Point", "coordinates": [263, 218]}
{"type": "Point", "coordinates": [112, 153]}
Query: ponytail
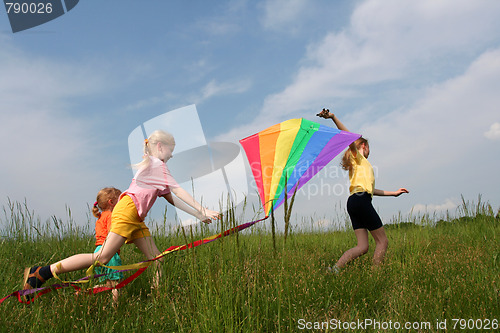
{"type": "Point", "coordinates": [95, 210]}
{"type": "Point", "coordinates": [102, 200]}
{"type": "Point", "coordinates": [145, 158]}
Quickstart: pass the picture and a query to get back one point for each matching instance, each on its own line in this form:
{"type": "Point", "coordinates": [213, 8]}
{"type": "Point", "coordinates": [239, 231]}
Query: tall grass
{"type": "Point", "coordinates": [20, 223]}
{"type": "Point", "coordinates": [435, 270]}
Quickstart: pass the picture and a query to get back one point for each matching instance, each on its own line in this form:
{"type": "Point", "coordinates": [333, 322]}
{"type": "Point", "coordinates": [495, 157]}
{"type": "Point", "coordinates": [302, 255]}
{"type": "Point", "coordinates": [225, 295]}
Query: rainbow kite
{"type": "Point", "coordinates": [291, 153]}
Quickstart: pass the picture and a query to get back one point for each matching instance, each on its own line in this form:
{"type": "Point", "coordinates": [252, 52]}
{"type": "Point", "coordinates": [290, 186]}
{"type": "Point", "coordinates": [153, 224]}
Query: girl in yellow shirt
{"type": "Point", "coordinates": [363, 216]}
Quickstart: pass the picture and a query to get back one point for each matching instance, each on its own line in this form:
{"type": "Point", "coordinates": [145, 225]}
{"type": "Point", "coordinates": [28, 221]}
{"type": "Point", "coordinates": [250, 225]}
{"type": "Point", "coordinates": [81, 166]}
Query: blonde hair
{"type": "Point", "coordinates": [150, 148]}
{"type": "Point", "coordinates": [346, 163]}
{"type": "Point", "coordinates": [102, 200]}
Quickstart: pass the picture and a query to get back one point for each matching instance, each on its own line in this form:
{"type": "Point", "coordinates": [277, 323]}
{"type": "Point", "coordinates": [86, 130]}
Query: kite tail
{"type": "Point", "coordinates": [140, 267]}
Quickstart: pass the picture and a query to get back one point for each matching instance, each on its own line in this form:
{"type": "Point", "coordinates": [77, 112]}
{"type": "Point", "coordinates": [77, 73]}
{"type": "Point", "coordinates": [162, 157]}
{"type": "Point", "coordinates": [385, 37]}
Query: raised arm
{"type": "Point", "coordinates": [325, 113]}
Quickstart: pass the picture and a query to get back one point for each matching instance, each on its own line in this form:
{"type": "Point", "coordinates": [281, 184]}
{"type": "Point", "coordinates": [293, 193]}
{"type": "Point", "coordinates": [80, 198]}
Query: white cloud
{"type": "Point", "coordinates": [424, 28]}
{"type": "Point", "coordinates": [431, 142]}
{"type": "Point", "coordinates": [210, 90]}
{"type": "Point", "coordinates": [434, 147]}
{"type": "Point", "coordinates": [47, 150]}
{"type": "Point", "coordinates": [453, 113]}
{"type": "Point", "coordinates": [494, 132]}
{"type": "Point", "coordinates": [214, 88]}
{"type": "Point", "coordinates": [226, 22]}
{"type": "Point", "coordinates": [284, 15]}
{"type": "Point", "coordinates": [386, 40]}
{"type": "Point", "coordinates": [220, 28]}
{"type": "Point", "coordinates": [150, 102]}
{"type": "Point", "coordinates": [408, 42]}
{"type": "Point", "coordinates": [449, 205]}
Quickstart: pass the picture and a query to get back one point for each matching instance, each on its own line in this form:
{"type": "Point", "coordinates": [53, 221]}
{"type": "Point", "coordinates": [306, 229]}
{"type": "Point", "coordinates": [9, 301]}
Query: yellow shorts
{"type": "Point", "coordinates": [126, 222]}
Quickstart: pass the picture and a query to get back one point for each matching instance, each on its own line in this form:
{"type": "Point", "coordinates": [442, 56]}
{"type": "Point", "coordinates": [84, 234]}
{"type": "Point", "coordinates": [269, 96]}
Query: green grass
{"type": "Point", "coordinates": [435, 270]}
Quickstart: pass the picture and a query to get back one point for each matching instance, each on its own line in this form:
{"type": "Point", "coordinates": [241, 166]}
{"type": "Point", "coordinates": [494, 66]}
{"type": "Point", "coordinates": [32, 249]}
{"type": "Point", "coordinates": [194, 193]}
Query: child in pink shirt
{"type": "Point", "coordinates": [152, 180]}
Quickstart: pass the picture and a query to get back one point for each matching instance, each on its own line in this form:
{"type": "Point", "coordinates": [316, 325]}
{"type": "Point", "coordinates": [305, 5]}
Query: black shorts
{"type": "Point", "coordinates": [362, 213]}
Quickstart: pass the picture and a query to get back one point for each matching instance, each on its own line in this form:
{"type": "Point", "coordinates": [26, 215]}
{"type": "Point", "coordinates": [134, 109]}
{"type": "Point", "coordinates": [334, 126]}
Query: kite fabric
{"type": "Point", "coordinates": [140, 267]}
{"type": "Point", "coordinates": [290, 154]}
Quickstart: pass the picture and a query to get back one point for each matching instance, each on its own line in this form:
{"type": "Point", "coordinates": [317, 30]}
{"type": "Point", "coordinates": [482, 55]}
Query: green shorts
{"type": "Point", "coordinates": [111, 274]}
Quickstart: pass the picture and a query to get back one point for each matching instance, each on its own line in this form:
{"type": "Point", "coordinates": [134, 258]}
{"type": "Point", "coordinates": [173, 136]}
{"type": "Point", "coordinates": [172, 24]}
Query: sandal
{"type": "Point", "coordinates": [33, 274]}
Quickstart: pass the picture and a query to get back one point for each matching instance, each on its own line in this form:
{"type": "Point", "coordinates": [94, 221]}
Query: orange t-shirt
{"type": "Point", "coordinates": [102, 227]}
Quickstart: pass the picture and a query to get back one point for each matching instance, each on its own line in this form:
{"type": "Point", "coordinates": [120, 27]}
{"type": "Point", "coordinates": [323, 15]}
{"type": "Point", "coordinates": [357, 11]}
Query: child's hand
{"type": "Point", "coordinates": [401, 191]}
{"type": "Point", "coordinates": [208, 215]}
{"type": "Point", "coordinates": [325, 113]}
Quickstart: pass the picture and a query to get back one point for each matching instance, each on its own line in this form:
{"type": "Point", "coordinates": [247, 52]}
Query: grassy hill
{"type": "Point", "coordinates": [437, 274]}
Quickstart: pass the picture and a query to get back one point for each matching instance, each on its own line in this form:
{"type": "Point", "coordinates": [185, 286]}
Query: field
{"type": "Point", "coordinates": [439, 273]}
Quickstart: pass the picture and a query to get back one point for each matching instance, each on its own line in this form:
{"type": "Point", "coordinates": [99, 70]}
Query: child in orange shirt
{"type": "Point", "coordinates": [106, 200]}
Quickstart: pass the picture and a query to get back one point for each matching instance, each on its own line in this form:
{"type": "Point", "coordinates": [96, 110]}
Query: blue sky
{"type": "Point", "coordinates": [420, 79]}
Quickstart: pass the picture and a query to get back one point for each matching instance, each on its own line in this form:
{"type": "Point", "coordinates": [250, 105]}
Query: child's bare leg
{"type": "Point", "coordinates": [73, 263]}
{"type": "Point", "coordinates": [148, 247]}
{"type": "Point", "coordinates": [357, 251]}
{"type": "Point", "coordinates": [36, 276]}
{"type": "Point", "coordinates": [85, 260]}
{"type": "Point", "coordinates": [381, 244]}
{"type": "Point", "coordinates": [114, 292]}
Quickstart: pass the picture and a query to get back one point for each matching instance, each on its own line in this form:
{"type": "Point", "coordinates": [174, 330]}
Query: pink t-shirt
{"type": "Point", "coordinates": [148, 184]}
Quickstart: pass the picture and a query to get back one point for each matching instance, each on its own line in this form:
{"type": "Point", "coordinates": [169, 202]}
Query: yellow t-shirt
{"type": "Point", "coordinates": [361, 175]}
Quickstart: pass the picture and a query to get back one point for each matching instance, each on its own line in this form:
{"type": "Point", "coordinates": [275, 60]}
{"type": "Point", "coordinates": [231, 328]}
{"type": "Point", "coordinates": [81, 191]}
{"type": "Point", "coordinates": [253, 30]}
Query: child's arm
{"type": "Point", "coordinates": [325, 113]}
{"type": "Point", "coordinates": [187, 203]}
{"type": "Point", "coordinates": [390, 193]}
{"type": "Point", "coordinates": [176, 202]}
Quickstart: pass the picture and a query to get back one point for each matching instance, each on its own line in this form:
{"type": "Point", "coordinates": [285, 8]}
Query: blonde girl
{"type": "Point", "coordinates": [363, 216]}
{"type": "Point", "coordinates": [152, 180]}
{"type": "Point", "coordinates": [106, 200]}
